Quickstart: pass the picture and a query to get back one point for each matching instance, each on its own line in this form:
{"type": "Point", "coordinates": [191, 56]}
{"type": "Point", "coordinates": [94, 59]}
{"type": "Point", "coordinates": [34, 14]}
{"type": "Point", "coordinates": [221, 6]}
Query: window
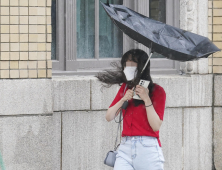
{"type": "Point", "coordinates": [158, 12]}
{"type": "Point", "coordinates": [85, 22]}
{"type": "Point", "coordinates": [85, 40]}
{"type": "Point", "coordinates": [110, 37]}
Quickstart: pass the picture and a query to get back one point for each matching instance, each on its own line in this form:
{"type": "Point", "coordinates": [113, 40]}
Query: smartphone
{"type": "Point", "coordinates": [144, 83]}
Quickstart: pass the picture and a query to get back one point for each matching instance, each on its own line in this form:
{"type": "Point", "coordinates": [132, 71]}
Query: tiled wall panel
{"type": "Point", "coordinates": [25, 27]}
{"type": "Point", "coordinates": [215, 33]}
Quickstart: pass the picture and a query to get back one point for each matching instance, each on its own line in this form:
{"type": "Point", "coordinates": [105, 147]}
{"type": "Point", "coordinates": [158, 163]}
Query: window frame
{"type": "Point", "coordinates": [59, 63]}
{"type": "Point", "coordinates": [66, 62]}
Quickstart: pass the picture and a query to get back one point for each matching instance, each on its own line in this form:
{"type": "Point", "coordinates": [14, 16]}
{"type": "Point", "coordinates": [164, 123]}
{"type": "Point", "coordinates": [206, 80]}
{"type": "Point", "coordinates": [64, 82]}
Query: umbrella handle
{"type": "Point", "coordinates": [125, 104]}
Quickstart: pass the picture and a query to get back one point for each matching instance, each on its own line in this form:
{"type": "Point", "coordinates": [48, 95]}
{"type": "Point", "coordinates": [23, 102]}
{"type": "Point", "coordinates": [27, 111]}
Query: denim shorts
{"type": "Point", "coordinates": [139, 153]}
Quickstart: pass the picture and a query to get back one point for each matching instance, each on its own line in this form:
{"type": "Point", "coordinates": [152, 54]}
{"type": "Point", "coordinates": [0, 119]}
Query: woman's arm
{"type": "Point", "coordinates": [152, 116]}
{"type": "Point", "coordinates": [110, 114]}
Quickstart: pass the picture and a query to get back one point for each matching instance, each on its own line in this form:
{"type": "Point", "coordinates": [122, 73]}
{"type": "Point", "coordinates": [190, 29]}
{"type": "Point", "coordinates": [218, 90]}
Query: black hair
{"type": "Point", "coordinates": [117, 76]}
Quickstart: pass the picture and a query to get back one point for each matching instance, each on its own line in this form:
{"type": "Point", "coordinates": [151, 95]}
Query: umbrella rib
{"type": "Point", "coordinates": [172, 41]}
{"type": "Point", "coordinates": [189, 40]}
{"type": "Point", "coordinates": [161, 32]}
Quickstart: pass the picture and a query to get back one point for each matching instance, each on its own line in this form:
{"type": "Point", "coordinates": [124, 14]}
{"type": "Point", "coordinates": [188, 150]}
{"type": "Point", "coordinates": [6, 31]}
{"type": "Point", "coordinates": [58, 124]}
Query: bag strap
{"type": "Point", "coordinates": [115, 147]}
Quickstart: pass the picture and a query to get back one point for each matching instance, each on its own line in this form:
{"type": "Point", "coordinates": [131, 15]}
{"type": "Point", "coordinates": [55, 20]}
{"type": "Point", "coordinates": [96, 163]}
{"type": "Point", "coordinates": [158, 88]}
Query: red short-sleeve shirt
{"type": "Point", "coordinates": [135, 122]}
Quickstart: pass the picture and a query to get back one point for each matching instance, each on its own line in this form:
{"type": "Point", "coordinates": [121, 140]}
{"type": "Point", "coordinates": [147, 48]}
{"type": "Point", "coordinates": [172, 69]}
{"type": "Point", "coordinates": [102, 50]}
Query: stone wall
{"type": "Point", "coordinates": [84, 136]}
{"type": "Point", "coordinates": [26, 123]}
{"type": "Point", "coordinates": [77, 135]}
{"type": "Point", "coordinates": [217, 119]}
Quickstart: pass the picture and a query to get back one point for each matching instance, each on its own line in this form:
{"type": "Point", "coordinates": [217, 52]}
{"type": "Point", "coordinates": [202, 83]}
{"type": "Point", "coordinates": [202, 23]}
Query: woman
{"type": "Point", "coordinates": [140, 147]}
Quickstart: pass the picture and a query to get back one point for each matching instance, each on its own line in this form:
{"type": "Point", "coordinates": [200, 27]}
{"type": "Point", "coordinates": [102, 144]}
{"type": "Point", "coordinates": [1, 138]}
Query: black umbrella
{"type": "Point", "coordinates": [171, 42]}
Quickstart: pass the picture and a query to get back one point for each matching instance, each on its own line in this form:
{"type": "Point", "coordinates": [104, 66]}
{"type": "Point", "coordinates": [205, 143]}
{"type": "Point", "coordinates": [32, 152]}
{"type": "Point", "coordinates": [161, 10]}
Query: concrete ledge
{"type": "Point", "coordinates": [197, 138]}
{"type": "Point", "coordinates": [102, 97]}
{"type": "Point", "coordinates": [217, 137]}
{"type": "Point", "coordinates": [186, 138]}
{"type": "Point", "coordinates": [87, 137]}
{"type": "Point", "coordinates": [181, 91]}
{"type": "Point", "coordinates": [218, 91]}
{"type": "Point", "coordinates": [57, 132]}
{"type": "Point", "coordinates": [26, 142]}
{"type": "Point", "coordinates": [71, 93]}
{"type": "Point", "coordinates": [171, 139]}
{"type": "Point", "coordinates": [25, 96]}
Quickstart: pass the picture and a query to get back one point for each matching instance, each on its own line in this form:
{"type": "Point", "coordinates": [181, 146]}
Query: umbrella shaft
{"type": "Point", "coordinates": [144, 66]}
{"type": "Point", "coordinates": [147, 62]}
{"type": "Point", "coordinates": [126, 102]}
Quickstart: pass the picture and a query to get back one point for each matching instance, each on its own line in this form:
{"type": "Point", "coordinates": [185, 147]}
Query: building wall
{"type": "Point", "coordinates": [25, 84]}
{"type": "Point", "coordinates": [215, 67]}
{"type": "Point", "coordinates": [59, 122]}
{"type": "Point", "coordinates": [25, 39]}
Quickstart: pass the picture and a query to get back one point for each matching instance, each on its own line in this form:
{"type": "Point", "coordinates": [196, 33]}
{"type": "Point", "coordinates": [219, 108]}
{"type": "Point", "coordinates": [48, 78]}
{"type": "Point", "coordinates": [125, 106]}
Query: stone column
{"type": "Point", "coordinates": [193, 18]}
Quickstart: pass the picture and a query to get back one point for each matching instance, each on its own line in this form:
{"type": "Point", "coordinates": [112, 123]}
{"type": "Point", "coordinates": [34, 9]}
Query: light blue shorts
{"type": "Point", "coordinates": [139, 153]}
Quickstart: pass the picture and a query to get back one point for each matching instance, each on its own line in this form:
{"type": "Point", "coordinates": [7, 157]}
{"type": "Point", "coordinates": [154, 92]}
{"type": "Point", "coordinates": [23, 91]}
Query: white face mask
{"type": "Point", "coordinates": [130, 73]}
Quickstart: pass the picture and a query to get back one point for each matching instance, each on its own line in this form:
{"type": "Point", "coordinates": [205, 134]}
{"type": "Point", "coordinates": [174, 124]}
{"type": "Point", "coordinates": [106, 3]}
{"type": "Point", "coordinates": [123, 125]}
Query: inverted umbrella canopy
{"type": "Point", "coordinates": [171, 42]}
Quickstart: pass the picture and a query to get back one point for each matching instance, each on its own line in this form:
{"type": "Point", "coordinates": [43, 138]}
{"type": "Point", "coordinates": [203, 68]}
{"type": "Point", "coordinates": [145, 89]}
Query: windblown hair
{"type": "Point", "coordinates": [117, 76]}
